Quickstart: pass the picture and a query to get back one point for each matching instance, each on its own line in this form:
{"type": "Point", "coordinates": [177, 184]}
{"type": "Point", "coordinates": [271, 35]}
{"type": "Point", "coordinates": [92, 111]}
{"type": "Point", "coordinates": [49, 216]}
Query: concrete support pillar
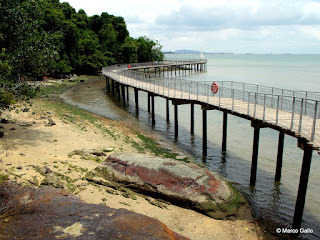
{"type": "Point", "coordinates": [192, 119]}
{"type": "Point", "coordinates": [279, 156]}
{"type": "Point", "coordinates": [128, 93]}
{"type": "Point", "coordinates": [303, 184]}
{"type": "Point", "coordinates": [112, 86]}
{"type": "Point", "coordinates": [148, 102]}
{"type": "Point", "coordinates": [118, 90]}
{"type": "Point", "coordinates": [123, 93]}
{"type": "Point", "coordinates": [254, 163]}
{"type": "Point", "coordinates": [204, 132]}
{"type": "Point", "coordinates": [176, 121]}
{"type": "Point", "coordinates": [136, 98]}
{"type": "Point", "coordinates": [167, 112]}
{"type": "Point", "coordinates": [224, 131]}
{"type": "Point", "coordinates": [152, 110]}
{"type": "Point", "coordinates": [107, 84]}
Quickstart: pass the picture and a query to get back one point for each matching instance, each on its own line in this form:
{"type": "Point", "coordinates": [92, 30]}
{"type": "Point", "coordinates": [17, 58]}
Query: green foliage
{"type": "Point", "coordinates": [148, 50]}
{"type": "Point", "coordinates": [6, 99]}
{"type": "Point", "coordinates": [30, 50]}
{"type": "Point", "coordinates": [46, 37]}
{"type": "Point", "coordinates": [3, 178]}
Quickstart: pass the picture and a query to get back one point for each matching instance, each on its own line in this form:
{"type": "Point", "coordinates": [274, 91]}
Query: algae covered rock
{"type": "Point", "coordinates": [183, 184]}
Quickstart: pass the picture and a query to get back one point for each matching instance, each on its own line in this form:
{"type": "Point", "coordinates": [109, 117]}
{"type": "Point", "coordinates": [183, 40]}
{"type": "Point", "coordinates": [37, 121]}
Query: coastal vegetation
{"type": "Point", "coordinates": [46, 37]}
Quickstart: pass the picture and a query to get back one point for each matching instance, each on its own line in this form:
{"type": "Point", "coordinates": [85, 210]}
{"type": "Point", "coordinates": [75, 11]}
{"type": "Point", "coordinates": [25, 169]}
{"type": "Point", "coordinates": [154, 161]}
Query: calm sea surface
{"type": "Point", "coordinates": [296, 72]}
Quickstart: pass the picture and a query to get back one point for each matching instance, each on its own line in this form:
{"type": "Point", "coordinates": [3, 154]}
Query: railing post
{"type": "Point", "coordinates": [282, 99]}
{"type": "Point", "coordinates": [243, 88]}
{"type": "Point", "coordinates": [248, 104]}
{"type": "Point", "coordinates": [232, 99]}
{"type": "Point", "coordinates": [264, 107]}
{"type": "Point", "coordinates": [305, 104]}
{"type": "Point", "coordinates": [219, 97]}
{"type": "Point", "coordinates": [197, 90]}
{"type": "Point", "coordinates": [272, 98]}
{"type": "Point", "coordinates": [277, 113]}
{"type": "Point", "coordinates": [207, 94]}
{"type": "Point", "coordinates": [255, 104]}
{"type": "Point", "coordinates": [300, 120]}
{"type": "Point", "coordinates": [292, 116]}
{"type": "Point", "coordinates": [314, 121]}
{"type": "Point", "coordinates": [163, 89]}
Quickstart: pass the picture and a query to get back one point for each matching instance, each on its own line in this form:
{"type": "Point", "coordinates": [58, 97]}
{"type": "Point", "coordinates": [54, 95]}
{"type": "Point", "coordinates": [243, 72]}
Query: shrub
{"type": "Point", "coordinates": [6, 98]}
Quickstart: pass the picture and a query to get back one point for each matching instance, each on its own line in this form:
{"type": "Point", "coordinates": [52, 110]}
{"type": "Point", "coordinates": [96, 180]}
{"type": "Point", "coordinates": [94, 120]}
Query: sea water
{"type": "Point", "coordinates": [275, 201]}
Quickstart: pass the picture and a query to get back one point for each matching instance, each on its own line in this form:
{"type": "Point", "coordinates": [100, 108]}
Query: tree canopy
{"type": "Point", "coordinates": [46, 37]}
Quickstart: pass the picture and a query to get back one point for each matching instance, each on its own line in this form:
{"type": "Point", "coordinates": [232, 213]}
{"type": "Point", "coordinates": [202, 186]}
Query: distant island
{"type": "Point", "coordinates": [186, 51]}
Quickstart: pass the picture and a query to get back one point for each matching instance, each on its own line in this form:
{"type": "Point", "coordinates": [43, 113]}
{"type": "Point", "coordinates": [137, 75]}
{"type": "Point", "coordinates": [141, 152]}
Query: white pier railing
{"type": "Point", "coordinates": [294, 111]}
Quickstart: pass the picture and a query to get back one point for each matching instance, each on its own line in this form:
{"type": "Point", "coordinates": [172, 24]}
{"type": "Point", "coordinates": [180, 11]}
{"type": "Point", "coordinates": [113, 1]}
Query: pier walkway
{"type": "Point", "coordinates": [295, 113]}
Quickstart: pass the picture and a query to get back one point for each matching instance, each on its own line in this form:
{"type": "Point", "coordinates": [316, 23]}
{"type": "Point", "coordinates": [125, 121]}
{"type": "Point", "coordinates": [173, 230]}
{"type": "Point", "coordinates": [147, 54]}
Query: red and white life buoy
{"type": "Point", "coordinates": [129, 66]}
{"type": "Point", "coordinates": [214, 88]}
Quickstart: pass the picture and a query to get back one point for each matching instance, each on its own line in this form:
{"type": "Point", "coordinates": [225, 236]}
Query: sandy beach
{"type": "Point", "coordinates": [49, 134]}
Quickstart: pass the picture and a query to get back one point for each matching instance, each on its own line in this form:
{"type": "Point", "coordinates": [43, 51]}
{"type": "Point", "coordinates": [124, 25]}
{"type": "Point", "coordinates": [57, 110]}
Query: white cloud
{"type": "Point", "coordinates": [278, 26]}
{"type": "Point", "coordinates": [248, 14]}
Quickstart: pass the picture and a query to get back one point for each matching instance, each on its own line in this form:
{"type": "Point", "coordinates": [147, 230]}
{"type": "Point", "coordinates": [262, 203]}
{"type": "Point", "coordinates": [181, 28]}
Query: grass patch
{"type": "Point", "coordinates": [61, 86]}
{"type": "Point", "coordinates": [76, 115]}
{"type": "Point", "coordinates": [152, 146]}
{"type": "Point", "coordinates": [3, 177]}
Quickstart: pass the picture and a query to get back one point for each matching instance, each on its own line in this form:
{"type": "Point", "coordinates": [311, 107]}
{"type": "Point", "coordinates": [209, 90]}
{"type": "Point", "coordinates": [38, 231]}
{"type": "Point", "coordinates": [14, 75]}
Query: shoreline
{"type": "Point", "coordinates": [33, 142]}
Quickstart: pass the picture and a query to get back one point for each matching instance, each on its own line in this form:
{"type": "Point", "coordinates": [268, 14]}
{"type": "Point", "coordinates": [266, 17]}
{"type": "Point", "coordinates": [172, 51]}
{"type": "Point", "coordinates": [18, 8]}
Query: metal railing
{"type": "Point", "coordinates": [297, 111]}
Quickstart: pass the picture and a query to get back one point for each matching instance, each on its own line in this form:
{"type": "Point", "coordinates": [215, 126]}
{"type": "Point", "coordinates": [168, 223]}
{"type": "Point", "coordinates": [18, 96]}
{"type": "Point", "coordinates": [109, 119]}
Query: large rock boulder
{"type": "Point", "coordinates": [183, 184]}
{"type": "Point", "coordinates": [54, 214]}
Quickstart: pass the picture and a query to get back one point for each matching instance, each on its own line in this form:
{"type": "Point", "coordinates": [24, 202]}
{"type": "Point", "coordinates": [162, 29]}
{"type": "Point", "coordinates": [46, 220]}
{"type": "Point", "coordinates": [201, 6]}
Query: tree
{"type": "Point", "coordinates": [129, 51]}
{"type": "Point", "coordinates": [148, 50]}
{"type": "Point", "coordinates": [49, 37]}
{"type": "Point", "coordinates": [30, 49]}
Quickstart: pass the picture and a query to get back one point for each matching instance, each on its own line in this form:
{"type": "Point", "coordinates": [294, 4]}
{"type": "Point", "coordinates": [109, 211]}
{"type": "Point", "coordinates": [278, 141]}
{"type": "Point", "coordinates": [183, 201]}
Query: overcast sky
{"type": "Point", "coordinates": [238, 26]}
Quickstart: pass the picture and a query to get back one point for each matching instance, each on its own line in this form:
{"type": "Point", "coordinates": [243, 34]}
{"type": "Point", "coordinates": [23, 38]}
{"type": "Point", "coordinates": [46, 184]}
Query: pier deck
{"type": "Point", "coordinates": [296, 113]}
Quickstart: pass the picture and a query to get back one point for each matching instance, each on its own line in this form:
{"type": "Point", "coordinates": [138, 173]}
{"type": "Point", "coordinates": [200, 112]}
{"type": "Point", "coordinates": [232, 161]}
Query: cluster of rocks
{"type": "Point", "coordinates": [4, 121]}
{"type": "Point", "coordinates": [25, 124]}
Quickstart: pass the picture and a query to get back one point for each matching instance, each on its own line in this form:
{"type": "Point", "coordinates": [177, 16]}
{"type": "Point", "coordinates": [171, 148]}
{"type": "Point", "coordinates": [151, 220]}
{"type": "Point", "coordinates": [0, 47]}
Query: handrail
{"type": "Point", "coordinates": [296, 111]}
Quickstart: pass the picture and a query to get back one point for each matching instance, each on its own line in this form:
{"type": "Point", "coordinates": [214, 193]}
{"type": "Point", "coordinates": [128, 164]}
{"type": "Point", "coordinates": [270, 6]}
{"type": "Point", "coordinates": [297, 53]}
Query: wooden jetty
{"type": "Point", "coordinates": [295, 113]}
